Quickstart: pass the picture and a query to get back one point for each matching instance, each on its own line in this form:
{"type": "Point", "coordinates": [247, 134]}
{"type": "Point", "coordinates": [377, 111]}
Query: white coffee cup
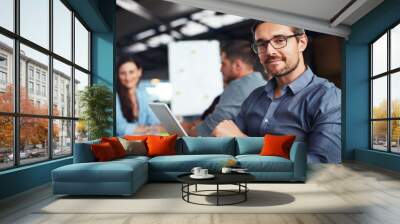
{"type": "Point", "coordinates": [226, 170]}
{"type": "Point", "coordinates": [196, 170]}
{"type": "Point", "coordinates": [203, 172]}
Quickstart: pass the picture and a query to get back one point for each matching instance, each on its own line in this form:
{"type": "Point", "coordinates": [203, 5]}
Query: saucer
{"type": "Point", "coordinates": [208, 176]}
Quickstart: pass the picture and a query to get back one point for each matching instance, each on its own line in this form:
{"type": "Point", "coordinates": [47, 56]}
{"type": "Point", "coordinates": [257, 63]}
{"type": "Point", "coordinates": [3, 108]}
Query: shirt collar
{"type": "Point", "coordinates": [296, 86]}
{"type": "Point", "coordinates": [302, 81]}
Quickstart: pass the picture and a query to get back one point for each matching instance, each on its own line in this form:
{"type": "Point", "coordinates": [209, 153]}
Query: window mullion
{"type": "Point", "coordinates": [389, 105]}
{"type": "Point", "coordinates": [73, 82]}
{"type": "Point", "coordinates": [50, 81]}
{"type": "Point", "coordinates": [16, 84]}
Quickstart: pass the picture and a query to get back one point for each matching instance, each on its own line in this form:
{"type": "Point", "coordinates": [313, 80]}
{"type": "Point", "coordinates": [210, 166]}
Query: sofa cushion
{"type": "Point", "coordinates": [257, 163]}
{"type": "Point", "coordinates": [134, 147]}
{"type": "Point", "coordinates": [161, 145]}
{"type": "Point", "coordinates": [277, 145]}
{"type": "Point", "coordinates": [206, 145]}
{"type": "Point", "coordinates": [185, 163]}
{"type": "Point", "coordinates": [103, 152]}
{"type": "Point", "coordinates": [116, 145]}
{"type": "Point", "coordinates": [249, 145]}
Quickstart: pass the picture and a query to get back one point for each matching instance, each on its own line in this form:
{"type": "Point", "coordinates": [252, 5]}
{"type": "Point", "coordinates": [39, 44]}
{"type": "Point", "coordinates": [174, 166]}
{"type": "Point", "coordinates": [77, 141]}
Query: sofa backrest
{"type": "Point", "coordinates": [249, 145]}
{"type": "Point", "coordinates": [83, 153]}
{"type": "Point", "coordinates": [206, 145]}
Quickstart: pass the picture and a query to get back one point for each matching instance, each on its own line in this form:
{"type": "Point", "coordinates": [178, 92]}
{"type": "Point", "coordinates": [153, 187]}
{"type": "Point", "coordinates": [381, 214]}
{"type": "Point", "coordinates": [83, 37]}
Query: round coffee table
{"type": "Point", "coordinates": [238, 179]}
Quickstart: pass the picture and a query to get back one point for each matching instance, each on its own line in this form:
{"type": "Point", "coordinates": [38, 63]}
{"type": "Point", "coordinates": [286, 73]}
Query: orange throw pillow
{"type": "Point", "coordinates": [103, 152]}
{"type": "Point", "coordinates": [277, 145]}
{"type": "Point", "coordinates": [135, 137]}
{"type": "Point", "coordinates": [116, 145]}
{"type": "Point", "coordinates": [161, 145]}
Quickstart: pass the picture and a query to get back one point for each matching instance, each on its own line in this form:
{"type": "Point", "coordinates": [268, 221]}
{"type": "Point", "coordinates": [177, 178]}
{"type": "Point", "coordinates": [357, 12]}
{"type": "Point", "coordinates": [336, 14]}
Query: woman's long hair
{"type": "Point", "coordinates": [126, 103]}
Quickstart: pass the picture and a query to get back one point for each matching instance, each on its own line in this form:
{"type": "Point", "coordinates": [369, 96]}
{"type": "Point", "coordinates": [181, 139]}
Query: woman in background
{"type": "Point", "coordinates": [133, 113]}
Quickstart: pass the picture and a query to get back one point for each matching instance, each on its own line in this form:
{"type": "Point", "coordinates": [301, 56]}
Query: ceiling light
{"type": "Point", "coordinates": [162, 28]}
{"type": "Point", "coordinates": [193, 28]}
{"type": "Point", "coordinates": [145, 34]}
{"type": "Point", "coordinates": [138, 47]}
{"type": "Point", "coordinates": [178, 22]}
{"type": "Point", "coordinates": [159, 40]}
{"type": "Point", "coordinates": [202, 14]}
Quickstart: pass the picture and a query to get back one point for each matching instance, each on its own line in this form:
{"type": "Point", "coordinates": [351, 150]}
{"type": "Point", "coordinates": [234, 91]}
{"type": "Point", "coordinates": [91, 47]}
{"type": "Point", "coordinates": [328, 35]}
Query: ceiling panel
{"type": "Point", "coordinates": [321, 9]}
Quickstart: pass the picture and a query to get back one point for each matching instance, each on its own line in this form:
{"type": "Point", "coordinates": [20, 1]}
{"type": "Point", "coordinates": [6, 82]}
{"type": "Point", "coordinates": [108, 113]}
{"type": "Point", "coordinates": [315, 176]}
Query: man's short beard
{"type": "Point", "coordinates": [286, 70]}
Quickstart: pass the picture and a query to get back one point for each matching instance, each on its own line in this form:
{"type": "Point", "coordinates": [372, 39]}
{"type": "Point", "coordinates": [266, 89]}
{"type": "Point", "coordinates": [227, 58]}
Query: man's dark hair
{"type": "Point", "coordinates": [295, 30]}
{"type": "Point", "coordinates": [239, 49]}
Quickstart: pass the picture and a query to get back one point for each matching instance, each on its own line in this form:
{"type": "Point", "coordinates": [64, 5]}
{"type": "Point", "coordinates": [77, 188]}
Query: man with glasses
{"type": "Point", "coordinates": [295, 102]}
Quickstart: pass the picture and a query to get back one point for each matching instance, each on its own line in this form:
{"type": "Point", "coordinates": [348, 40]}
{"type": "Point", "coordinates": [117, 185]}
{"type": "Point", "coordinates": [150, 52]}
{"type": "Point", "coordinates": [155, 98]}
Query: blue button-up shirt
{"type": "Point", "coordinates": [309, 108]}
{"type": "Point", "coordinates": [230, 101]}
{"type": "Point", "coordinates": [146, 116]}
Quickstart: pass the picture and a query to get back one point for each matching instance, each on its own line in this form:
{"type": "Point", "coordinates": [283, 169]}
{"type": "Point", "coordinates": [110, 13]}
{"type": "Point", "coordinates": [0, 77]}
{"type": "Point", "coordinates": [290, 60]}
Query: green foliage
{"type": "Point", "coordinates": [96, 102]}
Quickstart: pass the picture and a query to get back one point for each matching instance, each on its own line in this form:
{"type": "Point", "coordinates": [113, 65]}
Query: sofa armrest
{"type": "Point", "coordinates": [83, 152]}
{"type": "Point", "coordinates": [298, 155]}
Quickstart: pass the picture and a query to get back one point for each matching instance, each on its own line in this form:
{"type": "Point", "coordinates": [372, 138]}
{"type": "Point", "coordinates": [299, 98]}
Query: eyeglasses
{"type": "Point", "coordinates": [277, 42]}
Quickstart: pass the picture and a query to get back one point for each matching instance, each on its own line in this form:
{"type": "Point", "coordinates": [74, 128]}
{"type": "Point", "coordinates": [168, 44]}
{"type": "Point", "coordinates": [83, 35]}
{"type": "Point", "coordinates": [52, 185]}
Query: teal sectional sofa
{"type": "Point", "coordinates": [125, 176]}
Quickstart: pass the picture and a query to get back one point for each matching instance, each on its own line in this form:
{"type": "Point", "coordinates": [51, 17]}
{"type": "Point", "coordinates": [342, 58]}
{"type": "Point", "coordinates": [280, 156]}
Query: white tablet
{"type": "Point", "coordinates": [169, 121]}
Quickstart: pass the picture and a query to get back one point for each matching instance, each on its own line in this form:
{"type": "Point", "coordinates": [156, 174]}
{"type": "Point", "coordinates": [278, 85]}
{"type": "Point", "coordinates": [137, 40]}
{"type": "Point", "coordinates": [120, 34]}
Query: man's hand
{"type": "Point", "coordinates": [190, 127]}
{"type": "Point", "coordinates": [227, 128]}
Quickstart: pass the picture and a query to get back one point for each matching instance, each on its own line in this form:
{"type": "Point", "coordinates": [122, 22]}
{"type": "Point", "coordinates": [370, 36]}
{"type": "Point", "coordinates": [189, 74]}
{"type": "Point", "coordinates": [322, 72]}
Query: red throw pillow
{"type": "Point", "coordinates": [277, 145]}
{"type": "Point", "coordinates": [103, 152]}
{"type": "Point", "coordinates": [135, 137]}
{"type": "Point", "coordinates": [161, 145]}
{"type": "Point", "coordinates": [116, 145]}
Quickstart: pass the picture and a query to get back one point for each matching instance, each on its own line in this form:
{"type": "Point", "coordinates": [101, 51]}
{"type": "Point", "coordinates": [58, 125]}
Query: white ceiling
{"type": "Point", "coordinates": [323, 16]}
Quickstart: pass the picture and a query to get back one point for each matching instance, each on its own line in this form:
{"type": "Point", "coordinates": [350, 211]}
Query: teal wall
{"type": "Point", "coordinates": [356, 85]}
{"type": "Point", "coordinates": [99, 16]}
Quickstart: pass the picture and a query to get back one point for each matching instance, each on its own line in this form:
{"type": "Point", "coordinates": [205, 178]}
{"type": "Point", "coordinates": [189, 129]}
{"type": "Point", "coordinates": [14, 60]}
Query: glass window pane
{"type": "Point", "coordinates": [34, 97]}
{"type": "Point", "coordinates": [395, 47]}
{"type": "Point", "coordinates": [81, 45]}
{"type": "Point", "coordinates": [62, 138]}
{"type": "Point", "coordinates": [62, 89]}
{"type": "Point", "coordinates": [81, 81]}
{"type": "Point", "coordinates": [7, 14]}
{"type": "Point", "coordinates": [379, 135]}
{"type": "Point", "coordinates": [6, 74]}
{"type": "Point", "coordinates": [6, 142]}
{"type": "Point", "coordinates": [379, 98]}
{"type": "Point", "coordinates": [395, 94]}
{"type": "Point", "coordinates": [33, 139]}
{"type": "Point", "coordinates": [62, 29]}
{"type": "Point", "coordinates": [395, 136]}
{"type": "Point", "coordinates": [81, 131]}
{"type": "Point", "coordinates": [35, 21]}
{"type": "Point", "coordinates": [379, 55]}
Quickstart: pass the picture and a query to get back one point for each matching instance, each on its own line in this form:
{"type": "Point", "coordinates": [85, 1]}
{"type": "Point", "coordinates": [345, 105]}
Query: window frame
{"type": "Point", "coordinates": [388, 74]}
{"type": "Point", "coordinates": [16, 114]}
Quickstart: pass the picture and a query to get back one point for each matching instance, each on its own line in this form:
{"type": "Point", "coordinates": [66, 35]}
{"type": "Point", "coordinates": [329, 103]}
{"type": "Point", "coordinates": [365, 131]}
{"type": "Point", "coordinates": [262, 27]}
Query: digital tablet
{"type": "Point", "coordinates": [169, 121]}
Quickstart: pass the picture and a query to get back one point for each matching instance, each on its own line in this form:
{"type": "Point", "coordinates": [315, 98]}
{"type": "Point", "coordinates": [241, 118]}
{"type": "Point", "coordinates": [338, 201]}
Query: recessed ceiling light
{"type": "Point", "coordinates": [159, 40]}
{"type": "Point", "coordinates": [138, 47]}
{"type": "Point", "coordinates": [193, 28]}
{"type": "Point", "coordinates": [178, 22]}
{"type": "Point", "coordinates": [145, 34]}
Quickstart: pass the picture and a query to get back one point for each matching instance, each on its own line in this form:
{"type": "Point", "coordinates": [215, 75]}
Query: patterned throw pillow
{"type": "Point", "coordinates": [134, 147]}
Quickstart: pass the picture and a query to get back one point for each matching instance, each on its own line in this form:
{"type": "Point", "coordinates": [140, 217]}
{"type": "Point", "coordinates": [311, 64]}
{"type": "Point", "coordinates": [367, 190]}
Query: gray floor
{"type": "Point", "coordinates": [379, 188]}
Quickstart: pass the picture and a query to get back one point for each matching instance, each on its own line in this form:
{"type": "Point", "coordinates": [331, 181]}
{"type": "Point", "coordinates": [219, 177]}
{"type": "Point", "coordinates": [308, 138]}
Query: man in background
{"type": "Point", "coordinates": [237, 67]}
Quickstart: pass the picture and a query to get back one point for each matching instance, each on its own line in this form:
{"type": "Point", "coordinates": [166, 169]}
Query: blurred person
{"type": "Point", "coordinates": [294, 102]}
{"type": "Point", "coordinates": [133, 114]}
{"type": "Point", "coordinates": [237, 68]}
